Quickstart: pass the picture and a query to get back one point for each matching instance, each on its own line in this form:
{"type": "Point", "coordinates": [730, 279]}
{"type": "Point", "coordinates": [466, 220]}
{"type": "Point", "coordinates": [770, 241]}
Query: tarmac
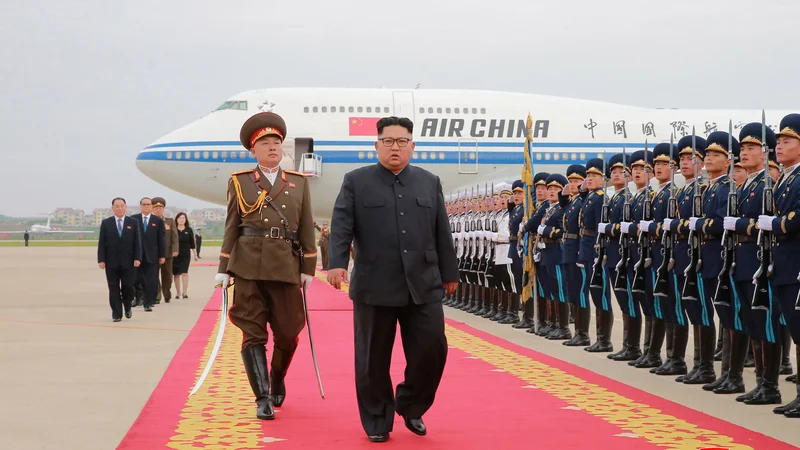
{"type": "Point", "coordinates": [73, 379]}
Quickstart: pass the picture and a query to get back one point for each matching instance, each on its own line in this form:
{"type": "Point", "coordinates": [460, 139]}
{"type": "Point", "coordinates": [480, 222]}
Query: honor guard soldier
{"type": "Point", "coordinates": [666, 296]}
{"type": "Point", "coordinates": [539, 210]}
{"type": "Point", "coordinates": [550, 236]}
{"type": "Point", "coordinates": [784, 227]}
{"type": "Point", "coordinates": [642, 298]}
{"type": "Point", "coordinates": [492, 214]}
{"type": "Point", "coordinates": [514, 222]}
{"type": "Point", "coordinates": [619, 173]}
{"type": "Point", "coordinates": [760, 325]}
{"type": "Point", "coordinates": [465, 262]}
{"type": "Point", "coordinates": [574, 284]}
{"type": "Point", "coordinates": [500, 264]}
{"type": "Point", "coordinates": [591, 215]}
{"type": "Point", "coordinates": [269, 249]}
{"type": "Point", "coordinates": [484, 252]}
{"type": "Point", "coordinates": [462, 248]}
{"type": "Point", "coordinates": [739, 174]}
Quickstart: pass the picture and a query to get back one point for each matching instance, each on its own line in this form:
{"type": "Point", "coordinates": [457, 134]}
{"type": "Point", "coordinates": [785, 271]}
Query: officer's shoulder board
{"type": "Point", "coordinates": [601, 192]}
{"type": "Point", "coordinates": [299, 174]}
{"type": "Point", "coordinates": [242, 172]}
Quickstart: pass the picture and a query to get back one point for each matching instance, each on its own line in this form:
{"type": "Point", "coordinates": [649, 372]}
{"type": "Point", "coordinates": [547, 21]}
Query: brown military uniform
{"type": "Point", "coordinates": [165, 283]}
{"type": "Point", "coordinates": [255, 251]}
{"type": "Point", "coordinates": [324, 237]}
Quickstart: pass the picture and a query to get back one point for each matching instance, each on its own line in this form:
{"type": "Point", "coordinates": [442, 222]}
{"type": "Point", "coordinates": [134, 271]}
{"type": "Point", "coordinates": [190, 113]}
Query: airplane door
{"type": "Point", "coordinates": [467, 155]}
{"type": "Point", "coordinates": [403, 104]}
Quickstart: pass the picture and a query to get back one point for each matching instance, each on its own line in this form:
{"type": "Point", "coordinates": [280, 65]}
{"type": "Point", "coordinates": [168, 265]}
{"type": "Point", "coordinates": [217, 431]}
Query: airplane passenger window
{"type": "Point", "coordinates": [305, 110]}
{"type": "Point", "coordinates": [196, 155]}
{"type": "Point", "coordinates": [177, 155]}
{"type": "Point", "coordinates": [447, 110]}
{"type": "Point", "coordinates": [205, 155]}
{"type": "Point", "coordinates": [341, 109]}
{"type": "Point", "coordinates": [169, 155]}
{"type": "Point", "coordinates": [474, 110]}
{"type": "Point", "coordinates": [242, 155]}
{"type": "Point", "coordinates": [422, 110]}
{"type": "Point", "coordinates": [457, 111]}
{"type": "Point", "coordinates": [438, 110]}
{"type": "Point", "coordinates": [483, 110]}
{"type": "Point", "coordinates": [233, 155]}
{"type": "Point", "coordinates": [360, 109]}
{"type": "Point", "coordinates": [333, 109]}
{"type": "Point", "coordinates": [324, 109]}
{"type": "Point", "coordinates": [350, 109]}
{"type": "Point", "coordinates": [214, 155]}
{"type": "Point", "coordinates": [386, 109]}
{"type": "Point", "coordinates": [430, 110]}
{"type": "Point", "coordinates": [377, 109]}
{"type": "Point", "coordinates": [369, 108]}
{"type": "Point", "coordinates": [224, 155]}
{"type": "Point", "coordinates": [315, 109]}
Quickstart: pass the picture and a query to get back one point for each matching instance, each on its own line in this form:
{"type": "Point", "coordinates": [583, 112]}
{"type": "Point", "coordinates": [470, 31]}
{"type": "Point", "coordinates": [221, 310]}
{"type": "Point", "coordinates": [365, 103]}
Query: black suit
{"type": "Point", "coordinates": [154, 247]}
{"type": "Point", "coordinates": [403, 252]}
{"type": "Point", "coordinates": [118, 253]}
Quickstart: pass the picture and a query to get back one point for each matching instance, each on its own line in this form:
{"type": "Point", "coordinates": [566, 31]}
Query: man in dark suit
{"type": "Point", "coordinates": [119, 252]}
{"type": "Point", "coordinates": [405, 264]}
{"type": "Point", "coordinates": [154, 250]}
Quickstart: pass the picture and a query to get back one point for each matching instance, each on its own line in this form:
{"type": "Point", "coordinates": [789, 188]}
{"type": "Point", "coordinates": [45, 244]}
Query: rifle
{"type": "Point", "coordinates": [724, 288]}
{"type": "Point", "coordinates": [661, 287]}
{"type": "Point", "coordinates": [644, 241]}
{"type": "Point", "coordinates": [761, 297]}
{"type": "Point", "coordinates": [621, 282]}
{"type": "Point", "coordinates": [690, 290]}
{"type": "Point", "coordinates": [598, 280]}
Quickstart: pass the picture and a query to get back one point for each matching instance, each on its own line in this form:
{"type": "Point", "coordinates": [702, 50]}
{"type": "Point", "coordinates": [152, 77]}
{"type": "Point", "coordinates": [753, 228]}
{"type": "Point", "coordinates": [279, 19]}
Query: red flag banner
{"type": "Point", "coordinates": [363, 126]}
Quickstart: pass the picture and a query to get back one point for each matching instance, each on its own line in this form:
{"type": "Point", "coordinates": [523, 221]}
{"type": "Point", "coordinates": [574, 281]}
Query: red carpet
{"type": "Point", "coordinates": [493, 395]}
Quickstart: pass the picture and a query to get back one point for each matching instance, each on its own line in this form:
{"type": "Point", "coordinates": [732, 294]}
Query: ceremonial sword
{"type": "Point", "coordinates": [223, 318]}
{"type": "Point", "coordinates": [311, 342]}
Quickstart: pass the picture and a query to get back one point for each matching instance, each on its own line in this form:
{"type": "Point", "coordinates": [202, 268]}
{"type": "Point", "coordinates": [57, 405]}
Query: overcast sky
{"type": "Point", "coordinates": [85, 85]}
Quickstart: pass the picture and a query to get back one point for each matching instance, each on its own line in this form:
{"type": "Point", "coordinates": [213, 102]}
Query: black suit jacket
{"type": "Point", "coordinates": [154, 239]}
{"type": "Point", "coordinates": [119, 252]}
{"type": "Point", "coordinates": [401, 234]}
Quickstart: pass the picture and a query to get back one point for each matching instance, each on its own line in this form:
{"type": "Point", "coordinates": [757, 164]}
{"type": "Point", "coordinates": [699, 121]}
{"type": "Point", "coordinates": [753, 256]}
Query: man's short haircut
{"type": "Point", "coordinates": [394, 120]}
{"type": "Point", "coordinates": [143, 199]}
{"type": "Point", "coordinates": [118, 198]}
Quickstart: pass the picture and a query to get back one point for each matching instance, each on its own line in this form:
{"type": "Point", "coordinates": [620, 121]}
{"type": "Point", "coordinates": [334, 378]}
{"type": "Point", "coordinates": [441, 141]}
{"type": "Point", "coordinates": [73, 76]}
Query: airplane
{"type": "Point", "coordinates": [469, 138]}
{"type": "Point", "coordinates": [45, 229]}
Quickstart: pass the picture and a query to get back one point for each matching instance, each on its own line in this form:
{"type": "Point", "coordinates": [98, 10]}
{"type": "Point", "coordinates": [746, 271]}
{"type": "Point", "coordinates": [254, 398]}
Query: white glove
{"type": "Point", "coordinates": [601, 228]}
{"type": "Point", "coordinates": [644, 225]}
{"type": "Point", "coordinates": [540, 230]}
{"type": "Point", "coordinates": [729, 223]}
{"type": "Point", "coordinates": [693, 223]}
{"type": "Point", "coordinates": [223, 279]}
{"type": "Point", "coordinates": [667, 223]}
{"type": "Point", "coordinates": [765, 222]}
{"type": "Point", "coordinates": [624, 227]}
{"type": "Point", "coordinates": [305, 280]}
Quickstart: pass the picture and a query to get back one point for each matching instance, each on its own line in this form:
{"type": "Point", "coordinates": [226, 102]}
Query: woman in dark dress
{"type": "Point", "coordinates": [186, 250]}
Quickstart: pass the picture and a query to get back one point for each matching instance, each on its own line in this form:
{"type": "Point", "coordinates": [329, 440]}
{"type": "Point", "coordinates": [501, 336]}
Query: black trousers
{"type": "Point", "coordinates": [148, 277]}
{"type": "Point", "coordinates": [425, 349]}
{"type": "Point", "coordinates": [120, 289]}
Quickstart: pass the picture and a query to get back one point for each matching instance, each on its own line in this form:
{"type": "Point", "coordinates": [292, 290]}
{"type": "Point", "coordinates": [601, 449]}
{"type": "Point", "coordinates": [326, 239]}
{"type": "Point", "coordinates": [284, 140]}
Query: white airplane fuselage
{"type": "Point", "coordinates": [467, 138]}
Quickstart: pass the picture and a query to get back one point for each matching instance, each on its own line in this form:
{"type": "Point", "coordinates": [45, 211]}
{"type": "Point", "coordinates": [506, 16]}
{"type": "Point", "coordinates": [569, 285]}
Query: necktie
{"type": "Point", "coordinates": [119, 227]}
{"type": "Point", "coordinates": [145, 224]}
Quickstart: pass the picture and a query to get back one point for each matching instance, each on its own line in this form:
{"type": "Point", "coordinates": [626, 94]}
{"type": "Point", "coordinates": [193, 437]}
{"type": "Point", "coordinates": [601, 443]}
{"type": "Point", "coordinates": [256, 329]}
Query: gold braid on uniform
{"type": "Point", "coordinates": [244, 207]}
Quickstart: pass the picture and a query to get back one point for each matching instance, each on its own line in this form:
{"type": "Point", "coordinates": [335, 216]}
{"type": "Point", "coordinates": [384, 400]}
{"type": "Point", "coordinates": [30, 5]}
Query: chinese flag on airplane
{"type": "Point", "coordinates": [364, 126]}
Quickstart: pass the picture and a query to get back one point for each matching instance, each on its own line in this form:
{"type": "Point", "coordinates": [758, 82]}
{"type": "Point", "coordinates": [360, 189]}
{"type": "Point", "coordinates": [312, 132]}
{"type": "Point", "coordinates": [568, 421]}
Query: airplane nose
{"type": "Point", "coordinates": [144, 163]}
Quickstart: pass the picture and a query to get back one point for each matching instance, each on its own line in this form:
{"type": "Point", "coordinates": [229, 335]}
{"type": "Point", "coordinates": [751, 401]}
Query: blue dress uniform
{"type": "Point", "coordinates": [761, 325]}
{"type": "Point", "coordinates": [539, 209]}
{"type": "Point", "coordinates": [786, 244]}
{"type": "Point", "coordinates": [704, 330]}
{"type": "Point", "coordinates": [553, 278]}
{"type": "Point", "coordinates": [632, 321]}
{"type": "Point", "coordinates": [514, 221]}
{"type": "Point", "coordinates": [641, 300]}
{"type": "Point", "coordinates": [575, 278]}
{"type": "Point", "coordinates": [589, 217]}
{"type": "Point", "coordinates": [666, 307]}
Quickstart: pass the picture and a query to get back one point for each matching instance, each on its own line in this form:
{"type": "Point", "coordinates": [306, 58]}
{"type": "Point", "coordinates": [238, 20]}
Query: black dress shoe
{"type": "Point", "coordinates": [116, 319]}
{"type": "Point", "coordinates": [380, 437]}
{"type": "Point", "coordinates": [128, 314]}
{"type": "Point", "coordinates": [148, 309]}
{"type": "Point", "coordinates": [416, 426]}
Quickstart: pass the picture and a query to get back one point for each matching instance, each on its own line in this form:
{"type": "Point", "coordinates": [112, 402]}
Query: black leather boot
{"type": "Point", "coordinates": [648, 331]}
{"type": "Point", "coordinates": [622, 350]}
{"type": "Point", "coordinates": [561, 331]}
{"type": "Point", "coordinates": [705, 352]}
{"type": "Point", "coordinates": [786, 340]}
{"type": "Point", "coordinates": [280, 365]}
{"type": "Point", "coordinates": [668, 328]}
{"type": "Point", "coordinates": [512, 313]}
{"type": "Point", "coordinates": [551, 318]}
{"type": "Point", "coordinates": [632, 351]}
{"type": "Point", "coordinates": [749, 361]}
{"type": "Point", "coordinates": [493, 299]}
{"type": "Point", "coordinates": [255, 364]}
{"type": "Point", "coordinates": [726, 361]}
{"type": "Point", "coordinates": [769, 394]}
{"type": "Point", "coordinates": [484, 304]}
{"type": "Point", "coordinates": [758, 354]}
{"type": "Point", "coordinates": [696, 359]}
{"type": "Point", "coordinates": [718, 348]}
{"type": "Point", "coordinates": [504, 302]}
{"type": "Point", "coordinates": [792, 409]}
{"type": "Point", "coordinates": [541, 315]}
{"type": "Point", "coordinates": [680, 339]}
{"type": "Point", "coordinates": [735, 383]}
{"type": "Point", "coordinates": [583, 316]}
{"type": "Point", "coordinates": [605, 323]}
{"type": "Point", "coordinates": [527, 315]}
{"type": "Point", "coordinates": [652, 358]}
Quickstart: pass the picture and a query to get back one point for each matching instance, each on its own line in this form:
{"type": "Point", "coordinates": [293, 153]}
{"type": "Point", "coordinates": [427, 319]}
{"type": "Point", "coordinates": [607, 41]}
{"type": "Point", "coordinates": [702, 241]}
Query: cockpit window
{"type": "Point", "coordinates": [234, 104]}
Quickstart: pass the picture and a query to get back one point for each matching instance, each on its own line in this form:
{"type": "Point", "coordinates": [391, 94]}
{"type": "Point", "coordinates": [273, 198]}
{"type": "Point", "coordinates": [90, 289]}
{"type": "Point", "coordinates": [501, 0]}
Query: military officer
{"type": "Point", "coordinates": [666, 301]}
{"type": "Point", "coordinates": [651, 357]}
{"type": "Point", "coordinates": [514, 221]}
{"type": "Point", "coordinates": [574, 285]}
{"type": "Point", "coordinates": [550, 234]}
{"type": "Point", "coordinates": [760, 325]}
{"type": "Point", "coordinates": [539, 208]}
{"type": "Point", "coordinates": [590, 215]}
{"type": "Point", "coordinates": [165, 288]}
{"type": "Point", "coordinates": [269, 249]}
{"type": "Point", "coordinates": [619, 173]}
{"type": "Point", "coordinates": [462, 248]}
{"type": "Point", "coordinates": [784, 226]}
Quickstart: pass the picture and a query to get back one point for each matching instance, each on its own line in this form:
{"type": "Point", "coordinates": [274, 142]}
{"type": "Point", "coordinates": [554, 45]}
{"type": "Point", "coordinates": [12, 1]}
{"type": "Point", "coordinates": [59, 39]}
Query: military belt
{"type": "Point", "coordinates": [787, 237]}
{"type": "Point", "coordinates": [271, 233]}
{"type": "Point", "coordinates": [571, 236]}
{"type": "Point", "coordinates": [746, 239]}
{"type": "Point", "coordinates": [588, 232]}
{"type": "Point", "coordinates": [551, 241]}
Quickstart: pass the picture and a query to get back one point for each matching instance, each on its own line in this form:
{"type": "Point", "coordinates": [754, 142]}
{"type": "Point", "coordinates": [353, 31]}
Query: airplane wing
{"type": "Point", "coordinates": [45, 232]}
